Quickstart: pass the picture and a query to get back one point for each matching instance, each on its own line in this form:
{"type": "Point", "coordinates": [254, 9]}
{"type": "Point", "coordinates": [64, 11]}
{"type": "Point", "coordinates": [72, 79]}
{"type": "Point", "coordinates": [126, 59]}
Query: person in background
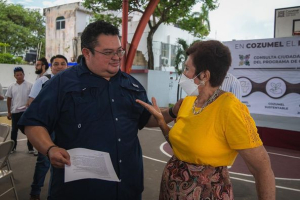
{"type": "Point", "coordinates": [1, 93]}
{"type": "Point", "coordinates": [58, 64]}
{"type": "Point", "coordinates": [41, 67]}
{"type": "Point", "coordinates": [212, 127]}
{"type": "Point", "coordinates": [233, 85]}
{"type": "Point", "coordinates": [92, 105]}
{"type": "Point", "coordinates": [17, 97]}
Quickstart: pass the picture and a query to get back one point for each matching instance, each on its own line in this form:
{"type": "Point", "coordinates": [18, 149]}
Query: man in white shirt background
{"type": "Point", "coordinates": [17, 97]}
{"type": "Point", "coordinates": [233, 85]}
{"type": "Point", "coordinates": [58, 64]}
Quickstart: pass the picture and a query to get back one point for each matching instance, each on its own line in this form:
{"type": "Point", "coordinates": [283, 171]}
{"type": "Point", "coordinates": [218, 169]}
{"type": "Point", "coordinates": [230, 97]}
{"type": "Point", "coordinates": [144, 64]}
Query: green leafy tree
{"type": "Point", "coordinates": [169, 12]}
{"type": "Point", "coordinates": [10, 59]}
{"type": "Point", "coordinates": [21, 28]}
{"type": "Point", "coordinates": [181, 56]}
{"type": "Point", "coordinates": [3, 47]}
{"type": "Point", "coordinates": [108, 18]}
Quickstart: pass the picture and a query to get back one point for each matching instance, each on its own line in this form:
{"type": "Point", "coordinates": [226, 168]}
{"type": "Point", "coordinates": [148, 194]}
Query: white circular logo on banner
{"type": "Point", "coordinates": [246, 86]}
{"type": "Point", "coordinates": [275, 87]}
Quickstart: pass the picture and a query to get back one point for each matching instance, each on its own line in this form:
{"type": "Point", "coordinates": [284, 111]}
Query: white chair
{"type": "Point", "coordinates": [4, 132]}
{"type": "Point", "coordinates": [5, 149]}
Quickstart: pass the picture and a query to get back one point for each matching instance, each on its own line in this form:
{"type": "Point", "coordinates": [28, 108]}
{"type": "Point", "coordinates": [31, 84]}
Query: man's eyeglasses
{"type": "Point", "coordinates": [120, 53]}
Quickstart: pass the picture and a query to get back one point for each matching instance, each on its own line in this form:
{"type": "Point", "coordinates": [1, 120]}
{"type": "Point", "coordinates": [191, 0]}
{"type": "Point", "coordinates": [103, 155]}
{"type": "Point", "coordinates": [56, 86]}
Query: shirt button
{"type": "Point", "coordinates": [116, 119]}
{"type": "Point", "coordinates": [120, 161]}
{"type": "Point", "coordinates": [119, 139]}
{"type": "Point", "coordinates": [79, 125]}
{"type": "Point", "coordinates": [112, 100]}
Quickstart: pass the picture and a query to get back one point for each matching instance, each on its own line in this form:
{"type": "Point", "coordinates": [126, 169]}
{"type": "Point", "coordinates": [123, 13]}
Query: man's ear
{"type": "Point", "coordinates": [86, 53]}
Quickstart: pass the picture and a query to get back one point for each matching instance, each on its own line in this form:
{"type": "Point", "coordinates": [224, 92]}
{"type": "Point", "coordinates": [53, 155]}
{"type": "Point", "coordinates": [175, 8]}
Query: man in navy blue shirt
{"type": "Point", "coordinates": [93, 106]}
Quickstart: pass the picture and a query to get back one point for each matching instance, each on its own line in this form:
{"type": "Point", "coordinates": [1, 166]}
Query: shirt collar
{"type": "Point", "coordinates": [82, 68]}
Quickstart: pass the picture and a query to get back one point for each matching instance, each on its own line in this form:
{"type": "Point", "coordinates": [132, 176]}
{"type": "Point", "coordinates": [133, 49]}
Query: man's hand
{"type": "Point", "coordinates": [9, 116]}
{"type": "Point", "coordinates": [59, 157]}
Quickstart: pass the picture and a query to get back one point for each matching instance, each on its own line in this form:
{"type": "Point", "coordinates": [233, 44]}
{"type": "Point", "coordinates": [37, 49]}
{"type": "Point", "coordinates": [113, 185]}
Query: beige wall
{"type": "Point", "coordinates": [60, 41]}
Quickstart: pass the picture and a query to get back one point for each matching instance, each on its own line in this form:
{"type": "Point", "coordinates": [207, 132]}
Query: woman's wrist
{"type": "Point", "coordinates": [171, 112]}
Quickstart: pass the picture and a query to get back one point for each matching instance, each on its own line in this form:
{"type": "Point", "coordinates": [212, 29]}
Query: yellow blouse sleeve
{"type": "Point", "coordinates": [240, 128]}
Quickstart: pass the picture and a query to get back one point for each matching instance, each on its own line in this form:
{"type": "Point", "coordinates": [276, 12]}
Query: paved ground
{"type": "Point", "coordinates": [286, 165]}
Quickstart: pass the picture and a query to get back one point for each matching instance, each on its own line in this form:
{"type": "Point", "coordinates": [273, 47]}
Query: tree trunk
{"type": "Point", "coordinates": [150, 46]}
{"type": "Point", "coordinates": [150, 50]}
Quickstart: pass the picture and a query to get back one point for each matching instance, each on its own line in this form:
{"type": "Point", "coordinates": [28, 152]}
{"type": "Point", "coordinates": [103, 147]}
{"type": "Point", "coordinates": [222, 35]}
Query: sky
{"type": "Point", "coordinates": [232, 20]}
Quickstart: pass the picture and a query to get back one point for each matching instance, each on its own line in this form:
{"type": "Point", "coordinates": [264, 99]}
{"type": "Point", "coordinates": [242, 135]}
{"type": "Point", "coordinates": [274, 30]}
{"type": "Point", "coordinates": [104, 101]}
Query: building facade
{"type": "Point", "coordinates": [64, 25]}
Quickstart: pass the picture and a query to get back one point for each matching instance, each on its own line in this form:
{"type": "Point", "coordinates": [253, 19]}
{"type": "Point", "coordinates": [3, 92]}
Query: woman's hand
{"type": "Point", "coordinates": [157, 114]}
{"type": "Point", "coordinates": [153, 109]}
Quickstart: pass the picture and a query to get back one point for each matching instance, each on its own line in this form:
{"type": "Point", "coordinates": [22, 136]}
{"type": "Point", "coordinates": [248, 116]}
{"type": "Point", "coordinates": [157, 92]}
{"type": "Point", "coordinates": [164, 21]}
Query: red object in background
{"type": "Point", "coordinates": [138, 34]}
{"type": "Point", "coordinates": [296, 33]}
{"type": "Point", "coordinates": [280, 138]}
{"type": "Point", "coordinates": [124, 32]}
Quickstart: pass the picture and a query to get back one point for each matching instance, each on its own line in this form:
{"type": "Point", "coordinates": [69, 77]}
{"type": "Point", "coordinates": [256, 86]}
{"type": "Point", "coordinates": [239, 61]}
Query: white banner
{"type": "Point", "coordinates": [277, 53]}
{"type": "Point", "coordinates": [269, 72]}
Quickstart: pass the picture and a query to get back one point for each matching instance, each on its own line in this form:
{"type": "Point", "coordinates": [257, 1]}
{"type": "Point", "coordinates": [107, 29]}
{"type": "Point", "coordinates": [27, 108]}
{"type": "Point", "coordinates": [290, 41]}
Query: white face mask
{"type": "Point", "coordinates": [188, 85]}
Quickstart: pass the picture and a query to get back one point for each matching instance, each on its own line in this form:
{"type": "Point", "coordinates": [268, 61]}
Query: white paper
{"type": "Point", "coordinates": [22, 108]}
{"type": "Point", "coordinates": [86, 163]}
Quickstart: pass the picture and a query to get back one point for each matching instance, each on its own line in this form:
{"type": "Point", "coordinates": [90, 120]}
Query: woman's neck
{"type": "Point", "coordinates": [204, 96]}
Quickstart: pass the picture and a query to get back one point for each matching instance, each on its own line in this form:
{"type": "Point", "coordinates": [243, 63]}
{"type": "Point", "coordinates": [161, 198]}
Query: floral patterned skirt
{"type": "Point", "coordinates": [185, 181]}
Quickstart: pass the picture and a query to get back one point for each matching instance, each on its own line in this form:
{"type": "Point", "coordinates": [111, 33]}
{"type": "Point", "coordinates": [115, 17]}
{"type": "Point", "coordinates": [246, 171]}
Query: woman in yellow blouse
{"type": "Point", "coordinates": [212, 127]}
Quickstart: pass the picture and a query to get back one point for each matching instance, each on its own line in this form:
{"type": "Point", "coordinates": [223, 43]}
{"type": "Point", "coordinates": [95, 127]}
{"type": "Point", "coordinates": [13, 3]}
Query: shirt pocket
{"type": "Point", "coordinates": [81, 106]}
{"type": "Point", "coordinates": [87, 105]}
{"type": "Point", "coordinates": [130, 94]}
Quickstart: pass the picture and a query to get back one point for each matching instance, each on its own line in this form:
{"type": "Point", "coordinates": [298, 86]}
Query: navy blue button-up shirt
{"type": "Point", "coordinates": [87, 111]}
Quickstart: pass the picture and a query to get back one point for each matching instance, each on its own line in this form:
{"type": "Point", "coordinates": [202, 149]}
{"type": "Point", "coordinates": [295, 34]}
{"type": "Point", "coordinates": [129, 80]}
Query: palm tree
{"type": "Point", "coordinates": [181, 56]}
{"type": "Point", "coordinates": [203, 16]}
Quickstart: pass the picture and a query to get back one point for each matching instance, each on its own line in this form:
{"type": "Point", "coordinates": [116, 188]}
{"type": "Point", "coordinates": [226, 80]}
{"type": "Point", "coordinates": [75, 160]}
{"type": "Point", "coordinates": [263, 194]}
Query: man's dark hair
{"type": "Point", "coordinates": [58, 56]}
{"type": "Point", "coordinates": [79, 58]}
{"type": "Point", "coordinates": [44, 62]}
{"type": "Point", "coordinates": [18, 69]}
{"type": "Point", "coordinates": [93, 30]}
{"type": "Point", "coordinates": [213, 56]}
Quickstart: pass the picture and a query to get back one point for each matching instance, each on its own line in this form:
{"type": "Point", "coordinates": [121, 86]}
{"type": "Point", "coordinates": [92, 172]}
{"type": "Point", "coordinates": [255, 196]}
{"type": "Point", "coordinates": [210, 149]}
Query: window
{"type": "Point", "coordinates": [296, 27]}
{"type": "Point", "coordinates": [165, 50]}
{"type": "Point", "coordinates": [60, 23]}
{"type": "Point", "coordinates": [173, 54]}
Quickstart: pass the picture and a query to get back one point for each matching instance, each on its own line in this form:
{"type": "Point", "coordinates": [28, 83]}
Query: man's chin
{"type": "Point", "coordinates": [114, 70]}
